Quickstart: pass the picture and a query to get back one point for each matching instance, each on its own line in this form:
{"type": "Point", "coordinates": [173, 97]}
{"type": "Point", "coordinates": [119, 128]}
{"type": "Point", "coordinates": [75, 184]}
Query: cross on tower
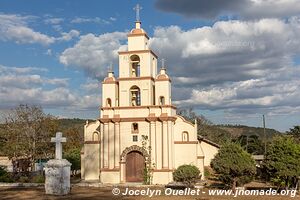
{"type": "Point", "coordinates": [110, 67]}
{"type": "Point", "coordinates": [137, 9]}
{"type": "Point", "coordinates": [58, 139]}
{"type": "Point", "coordinates": [163, 63]}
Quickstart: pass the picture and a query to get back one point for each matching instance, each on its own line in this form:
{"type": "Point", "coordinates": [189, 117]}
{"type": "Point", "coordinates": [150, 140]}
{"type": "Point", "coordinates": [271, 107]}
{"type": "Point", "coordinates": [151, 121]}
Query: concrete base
{"type": "Point", "coordinates": [57, 177]}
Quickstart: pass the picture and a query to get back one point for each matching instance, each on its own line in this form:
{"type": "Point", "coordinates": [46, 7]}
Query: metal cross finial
{"type": "Point", "coordinates": [137, 9]}
{"type": "Point", "coordinates": [58, 139]}
{"type": "Point", "coordinates": [110, 67]}
{"type": "Point", "coordinates": [163, 63]}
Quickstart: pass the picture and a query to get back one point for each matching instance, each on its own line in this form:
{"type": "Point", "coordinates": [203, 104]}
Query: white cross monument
{"type": "Point", "coordinates": [57, 170]}
{"type": "Point", "coordinates": [58, 139]}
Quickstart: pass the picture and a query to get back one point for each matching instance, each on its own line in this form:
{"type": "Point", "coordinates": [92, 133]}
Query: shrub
{"type": "Point", "coordinates": [187, 174]}
{"type": "Point", "coordinates": [4, 175]}
{"type": "Point", "coordinates": [23, 179]}
{"type": "Point", "coordinates": [38, 179]}
{"type": "Point", "coordinates": [73, 156]}
{"type": "Point", "coordinates": [208, 172]}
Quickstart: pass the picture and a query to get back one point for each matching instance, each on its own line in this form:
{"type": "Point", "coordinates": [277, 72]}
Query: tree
{"type": "Point", "coordinates": [234, 165]}
{"type": "Point", "coordinates": [27, 131]}
{"type": "Point", "coordinates": [74, 137]}
{"type": "Point", "coordinates": [282, 161]}
{"type": "Point", "coordinates": [73, 156]}
{"type": "Point", "coordinates": [205, 127]}
{"type": "Point", "coordinates": [252, 144]}
{"type": "Point", "coordinates": [295, 132]}
{"type": "Point", "coordinates": [190, 115]}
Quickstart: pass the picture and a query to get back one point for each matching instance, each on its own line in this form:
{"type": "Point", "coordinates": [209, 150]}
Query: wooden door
{"type": "Point", "coordinates": [135, 164]}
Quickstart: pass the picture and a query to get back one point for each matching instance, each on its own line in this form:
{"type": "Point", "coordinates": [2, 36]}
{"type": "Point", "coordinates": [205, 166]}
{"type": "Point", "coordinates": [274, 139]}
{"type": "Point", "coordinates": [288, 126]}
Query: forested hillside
{"type": "Point", "coordinates": [251, 136]}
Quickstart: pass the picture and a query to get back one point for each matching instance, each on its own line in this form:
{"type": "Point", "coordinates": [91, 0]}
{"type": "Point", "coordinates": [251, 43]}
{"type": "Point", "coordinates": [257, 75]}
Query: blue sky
{"type": "Point", "coordinates": [232, 61]}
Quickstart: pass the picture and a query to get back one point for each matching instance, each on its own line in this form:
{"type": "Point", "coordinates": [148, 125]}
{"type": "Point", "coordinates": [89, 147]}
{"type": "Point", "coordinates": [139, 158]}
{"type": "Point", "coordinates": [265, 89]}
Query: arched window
{"type": "Point", "coordinates": [135, 96]}
{"type": "Point", "coordinates": [135, 128]}
{"type": "Point", "coordinates": [95, 136]}
{"type": "Point", "coordinates": [161, 100]}
{"type": "Point", "coordinates": [185, 136]}
{"type": "Point", "coordinates": [108, 102]}
{"type": "Point", "coordinates": [135, 66]}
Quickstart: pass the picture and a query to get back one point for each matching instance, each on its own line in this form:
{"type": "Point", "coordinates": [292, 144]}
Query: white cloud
{"type": "Point", "coordinates": [228, 50]}
{"type": "Point", "coordinates": [237, 66]}
{"type": "Point", "coordinates": [91, 86]}
{"type": "Point", "coordinates": [15, 27]}
{"type": "Point", "coordinates": [113, 19]}
{"type": "Point", "coordinates": [69, 36]}
{"type": "Point", "coordinates": [20, 70]}
{"type": "Point", "coordinates": [275, 93]}
{"type": "Point", "coordinates": [79, 20]}
{"type": "Point", "coordinates": [94, 53]}
{"type": "Point", "coordinates": [23, 85]}
{"type": "Point", "coordinates": [49, 52]}
{"type": "Point", "coordinates": [57, 97]}
{"type": "Point", "coordinates": [63, 82]}
{"type": "Point", "coordinates": [53, 20]}
{"type": "Point", "coordinates": [57, 27]}
{"type": "Point", "coordinates": [20, 78]}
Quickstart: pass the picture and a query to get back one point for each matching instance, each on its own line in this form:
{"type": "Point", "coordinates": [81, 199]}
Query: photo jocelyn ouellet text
{"type": "Point", "coordinates": [198, 192]}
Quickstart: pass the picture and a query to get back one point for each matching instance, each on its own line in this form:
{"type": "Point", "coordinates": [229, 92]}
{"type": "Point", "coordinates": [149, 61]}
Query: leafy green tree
{"type": "Point", "coordinates": [295, 132]}
{"type": "Point", "coordinates": [252, 144]}
{"type": "Point", "coordinates": [282, 161]}
{"type": "Point", "coordinates": [73, 156]}
{"type": "Point", "coordinates": [234, 165]}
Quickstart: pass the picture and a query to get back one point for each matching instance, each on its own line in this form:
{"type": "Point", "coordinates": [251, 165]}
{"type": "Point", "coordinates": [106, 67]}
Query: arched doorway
{"type": "Point", "coordinates": [135, 164]}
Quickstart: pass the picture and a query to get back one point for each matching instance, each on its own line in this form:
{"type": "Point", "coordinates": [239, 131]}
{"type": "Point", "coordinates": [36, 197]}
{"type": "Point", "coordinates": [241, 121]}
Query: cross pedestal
{"type": "Point", "coordinates": [57, 170]}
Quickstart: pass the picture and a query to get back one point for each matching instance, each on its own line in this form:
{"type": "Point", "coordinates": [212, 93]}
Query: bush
{"type": "Point", "coordinates": [5, 176]}
{"type": "Point", "coordinates": [187, 174]}
{"type": "Point", "coordinates": [73, 156]}
{"type": "Point", "coordinates": [38, 179]}
{"type": "Point", "coordinates": [208, 172]}
{"type": "Point", "coordinates": [23, 179]}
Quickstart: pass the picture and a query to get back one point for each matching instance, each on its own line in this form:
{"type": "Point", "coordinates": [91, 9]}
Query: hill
{"type": "Point", "coordinates": [65, 124]}
{"type": "Point", "coordinates": [238, 130]}
{"type": "Point", "coordinates": [221, 133]}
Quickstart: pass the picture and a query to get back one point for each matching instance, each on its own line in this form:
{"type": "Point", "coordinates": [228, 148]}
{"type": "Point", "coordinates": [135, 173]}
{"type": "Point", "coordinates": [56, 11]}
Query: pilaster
{"type": "Point", "coordinates": [165, 156]}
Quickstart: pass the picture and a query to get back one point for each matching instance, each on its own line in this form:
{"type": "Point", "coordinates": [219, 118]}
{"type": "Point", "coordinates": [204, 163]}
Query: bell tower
{"type": "Point", "coordinates": [139, 83]}
{"type": "Point", "coordinates": [137, 69]}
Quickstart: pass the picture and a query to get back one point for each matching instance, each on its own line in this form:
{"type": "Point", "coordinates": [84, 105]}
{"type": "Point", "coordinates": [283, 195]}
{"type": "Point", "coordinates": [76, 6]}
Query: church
{"type": "Point", "coordinates": [138, 123]}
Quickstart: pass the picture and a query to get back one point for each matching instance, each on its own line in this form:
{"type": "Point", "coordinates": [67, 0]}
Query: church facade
{"type": "Point", "coordinates": [138, 123]}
